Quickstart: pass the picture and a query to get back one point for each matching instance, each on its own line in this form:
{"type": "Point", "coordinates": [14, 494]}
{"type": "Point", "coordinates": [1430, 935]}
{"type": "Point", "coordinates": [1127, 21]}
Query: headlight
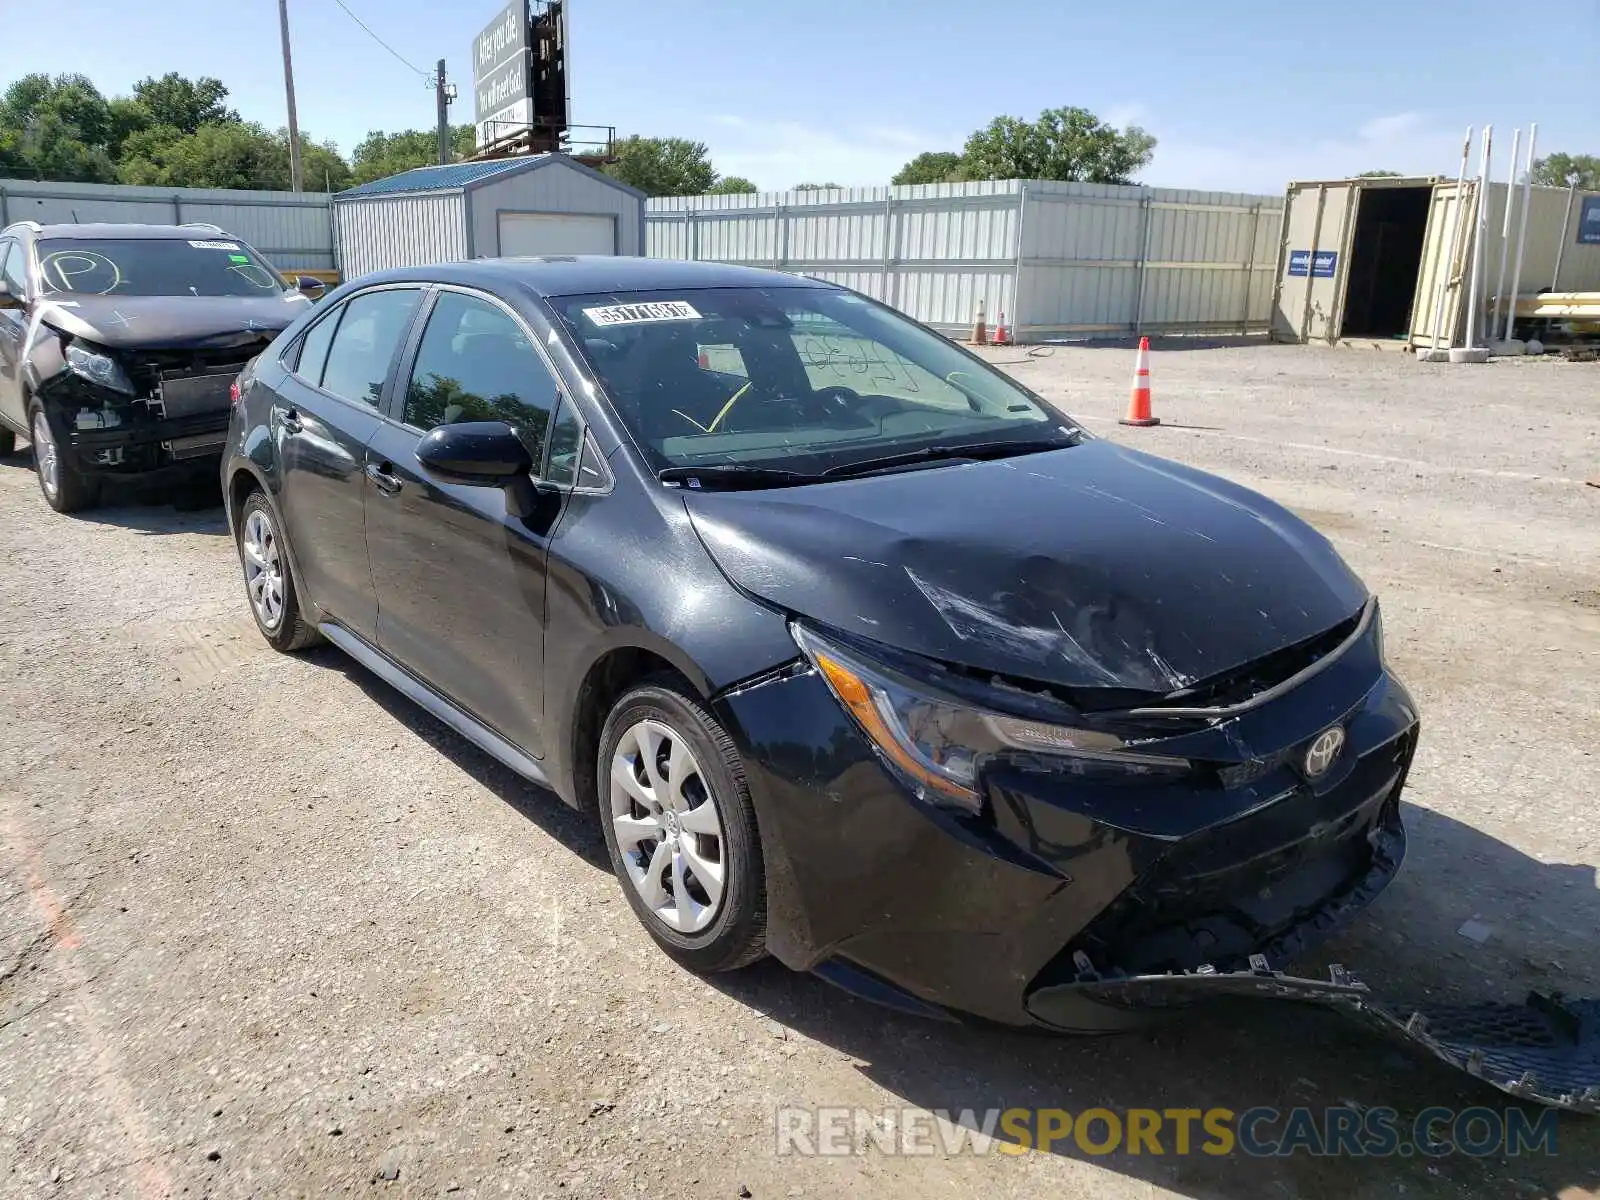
{"type": "Point", "coordinates": [939, 744]}
{"type": "Point", "coordinates": [99, 368]}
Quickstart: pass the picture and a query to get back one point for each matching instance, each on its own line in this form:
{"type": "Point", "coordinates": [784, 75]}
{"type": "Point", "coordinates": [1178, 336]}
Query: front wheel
{"type": "Point", "coordinates": [681, 830]}
{"type": "Point", "coordinates": [66, 489]}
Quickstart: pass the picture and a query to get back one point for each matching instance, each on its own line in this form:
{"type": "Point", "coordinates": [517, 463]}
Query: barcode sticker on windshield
{"type": "Point", "coordinates": [215, 245]}
{"type": "Point", "coordinates": [638, 314]}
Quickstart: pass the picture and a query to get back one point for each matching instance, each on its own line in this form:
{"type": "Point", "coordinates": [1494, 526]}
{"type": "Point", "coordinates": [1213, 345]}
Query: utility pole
{"type": "Point", "coordinates": [288, 86]}
{"type": "Point", "coordinates": [443, 106]}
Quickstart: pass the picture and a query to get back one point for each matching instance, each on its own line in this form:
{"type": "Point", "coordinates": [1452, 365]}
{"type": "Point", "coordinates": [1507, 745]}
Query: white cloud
{"type": "Point", "coordinates": [776, 155]}
{"type": "Point", "coordinates": [1381, 129]}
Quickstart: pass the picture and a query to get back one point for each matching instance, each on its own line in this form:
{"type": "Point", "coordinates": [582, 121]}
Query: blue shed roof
{"type": "Point", "coordinates": [432, 179]}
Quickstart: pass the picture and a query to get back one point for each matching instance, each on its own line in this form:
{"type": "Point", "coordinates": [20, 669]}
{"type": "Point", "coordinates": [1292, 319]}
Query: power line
{"type": "Point", "coordinates": [426, 75]}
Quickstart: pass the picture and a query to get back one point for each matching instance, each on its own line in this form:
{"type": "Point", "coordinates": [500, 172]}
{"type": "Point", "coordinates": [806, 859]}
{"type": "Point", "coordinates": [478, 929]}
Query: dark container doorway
{"type": "Point", "coordinates": [1391, 224]}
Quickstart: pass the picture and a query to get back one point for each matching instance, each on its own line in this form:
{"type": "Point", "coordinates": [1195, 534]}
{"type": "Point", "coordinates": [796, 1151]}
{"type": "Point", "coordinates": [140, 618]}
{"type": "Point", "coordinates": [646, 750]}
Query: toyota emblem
{"type": "Point", "coordinates": [1322, 752]}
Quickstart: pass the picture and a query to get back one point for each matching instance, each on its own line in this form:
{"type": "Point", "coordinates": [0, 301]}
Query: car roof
{"type": "Point", "coordinates": [108, 231]}
{"type": "Point", "coordinates": [576, 275]}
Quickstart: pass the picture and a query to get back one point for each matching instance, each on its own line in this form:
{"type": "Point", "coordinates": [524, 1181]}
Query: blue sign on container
{"type": "Point", "coordinates": [1322, 268]}
{"type": "Point", "coordinates": [1589, 222]}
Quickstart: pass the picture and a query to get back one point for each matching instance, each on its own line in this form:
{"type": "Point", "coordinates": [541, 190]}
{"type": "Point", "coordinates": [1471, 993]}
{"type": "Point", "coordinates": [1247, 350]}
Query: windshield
{"type": "Point", "coordinates": [156, 267]}
{"type": "Point", "coordinates": [800, 379]}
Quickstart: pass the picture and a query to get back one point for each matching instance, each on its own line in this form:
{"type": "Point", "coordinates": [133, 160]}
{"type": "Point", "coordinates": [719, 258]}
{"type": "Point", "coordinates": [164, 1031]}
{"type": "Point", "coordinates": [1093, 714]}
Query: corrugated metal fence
{"type": "Point", "coordinates": [1057, 258]}
{"type": "Point", "coordinates": [294, 230]}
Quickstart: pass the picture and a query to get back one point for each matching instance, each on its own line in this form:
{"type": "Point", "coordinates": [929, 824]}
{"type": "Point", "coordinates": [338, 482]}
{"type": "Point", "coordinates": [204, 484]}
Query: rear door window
{"type": "Point", "coordinates": [364, 346]}
{"type": "Point", "coordinates": [12, 268]}
{"type": "Point", "coordinates": [314, 348]}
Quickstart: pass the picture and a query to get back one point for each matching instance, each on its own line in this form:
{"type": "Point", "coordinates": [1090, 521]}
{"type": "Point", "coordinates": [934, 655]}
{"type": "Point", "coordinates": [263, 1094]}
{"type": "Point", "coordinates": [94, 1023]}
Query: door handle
{"type": "Point", "coordinates": [290, 420]}
{"type": "Point", "coordinates": [383, 479]}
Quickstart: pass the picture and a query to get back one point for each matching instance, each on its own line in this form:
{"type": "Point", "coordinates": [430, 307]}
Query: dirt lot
{"type": "Point", "coordinates": [266, 930]}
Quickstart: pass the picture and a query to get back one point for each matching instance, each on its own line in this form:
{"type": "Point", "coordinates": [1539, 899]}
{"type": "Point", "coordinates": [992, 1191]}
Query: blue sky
{"type": "Point", "coordinates": [1243, 96]}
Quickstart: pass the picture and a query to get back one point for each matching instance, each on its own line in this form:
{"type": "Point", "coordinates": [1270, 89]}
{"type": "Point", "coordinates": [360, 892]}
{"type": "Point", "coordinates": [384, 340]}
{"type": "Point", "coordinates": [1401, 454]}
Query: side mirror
{"type": "Point", "coordinates": [480, 453]}
{"type": "Point", "coordinates": [7, 300]}
{"type": "Point", "coordinates": [310, 285]}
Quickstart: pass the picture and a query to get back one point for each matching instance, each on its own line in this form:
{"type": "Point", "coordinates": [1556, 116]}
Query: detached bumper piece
{"type": "Point", "coordinates": [1546, 1050]}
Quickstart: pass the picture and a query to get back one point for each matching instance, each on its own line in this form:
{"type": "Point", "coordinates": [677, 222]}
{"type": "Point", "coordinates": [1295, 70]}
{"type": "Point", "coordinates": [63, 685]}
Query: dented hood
{"type": "Point", "coordinates": [1090, 566]}
{"type": "Point", "coordinates": [171, 322]}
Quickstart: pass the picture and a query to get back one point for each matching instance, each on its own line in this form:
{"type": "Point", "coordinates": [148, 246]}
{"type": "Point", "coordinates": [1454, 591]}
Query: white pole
{"type": "Point", "coordinates": [1447, 268]}
{"type": "Point", "coordinates": [1505, 231]}
{"type": "Point", "coordinates": [1522, 233]}
{"type": "Point", "coordinates": [1474, 280]}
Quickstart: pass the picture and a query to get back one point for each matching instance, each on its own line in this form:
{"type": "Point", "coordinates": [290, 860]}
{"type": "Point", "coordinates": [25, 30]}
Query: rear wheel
{"type": "Point", "coordinates": [66, 489]}
{"type": "Point", "coordinates": [269, 581]}
{"type": "Point", "coordinates": [680, 828]}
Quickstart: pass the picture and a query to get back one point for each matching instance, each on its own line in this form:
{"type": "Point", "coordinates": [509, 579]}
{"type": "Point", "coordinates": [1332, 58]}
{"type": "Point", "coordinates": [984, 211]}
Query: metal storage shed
{"type": "Point", "coordinates": [540, 204]}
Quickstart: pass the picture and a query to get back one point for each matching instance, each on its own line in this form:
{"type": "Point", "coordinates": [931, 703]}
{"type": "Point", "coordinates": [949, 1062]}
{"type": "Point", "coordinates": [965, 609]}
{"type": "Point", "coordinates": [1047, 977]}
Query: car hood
{"type": "Point", "coordinates": [1093, 566]}
{"type": "Point", "coordinates": [171, 322]}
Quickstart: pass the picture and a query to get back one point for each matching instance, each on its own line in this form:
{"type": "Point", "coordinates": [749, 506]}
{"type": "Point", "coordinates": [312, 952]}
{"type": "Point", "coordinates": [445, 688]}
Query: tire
{"type": "Point", "coordinates": [8, 443]}
{"type": "Point", "coordinates": [274, 601]}
{"type": "Point", "coordinates": [706, 934]}
{"type": "Point", "coordinates": [66, 489]}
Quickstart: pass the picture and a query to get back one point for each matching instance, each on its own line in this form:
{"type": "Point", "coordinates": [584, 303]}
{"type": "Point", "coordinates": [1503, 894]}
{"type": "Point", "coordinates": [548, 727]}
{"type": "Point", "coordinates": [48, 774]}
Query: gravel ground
{"type": "Point", "coordinates": [265, 930]}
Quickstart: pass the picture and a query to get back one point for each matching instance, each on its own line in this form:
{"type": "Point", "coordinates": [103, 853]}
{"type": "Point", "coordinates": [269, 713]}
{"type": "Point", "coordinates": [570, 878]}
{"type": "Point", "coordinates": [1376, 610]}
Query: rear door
{"type": "Point", "coordinates": [323, 417]}
{"type": "Point", "coordinates": [13, 333]}
{"type": "Point", "coordinates": [460, 580]}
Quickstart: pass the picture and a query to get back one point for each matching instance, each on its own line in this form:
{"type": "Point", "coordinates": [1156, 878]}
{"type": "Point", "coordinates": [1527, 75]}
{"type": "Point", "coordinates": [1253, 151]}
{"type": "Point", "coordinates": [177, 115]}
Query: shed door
{"type": "Point", "coordinates": [1444, 264]}
{"type": "Point", "coordinates": [556, 233]}
{"type": "Point", "coordinates": [1311, 262]}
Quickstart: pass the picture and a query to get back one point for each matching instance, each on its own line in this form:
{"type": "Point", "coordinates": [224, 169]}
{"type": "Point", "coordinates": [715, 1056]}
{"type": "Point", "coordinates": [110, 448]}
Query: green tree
{"type": "Point", "coordinates": [663, 166]}
{"type": "Point", "coordinates": [1064, 143]}
{"type": "Point", "coordinates": [733, 185]}
{"type": "Point", "coordinates": [233, 155]}
{"type": "Point", "coordinates": [380, 154]}
{"type": "Point", "coordinates": [184, 104]}
{"type": "Point", "coordinates": [56, 128]}
{"type": "Point", "coordinates": [817, 187]}
{"type": "Point", "coordinates": [1379, 175]}
{"type": "Point", "coordinates": [934, 166]}
{"type": "Point", "coordinates": [1568, 170]}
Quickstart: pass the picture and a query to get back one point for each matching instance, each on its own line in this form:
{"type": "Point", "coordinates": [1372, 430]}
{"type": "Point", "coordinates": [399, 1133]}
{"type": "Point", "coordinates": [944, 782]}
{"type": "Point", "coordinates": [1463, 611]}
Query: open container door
{"type": "Point", "coordinates": [1316, 230]}
{"type": "Point", "coordinates": [1446, 263]}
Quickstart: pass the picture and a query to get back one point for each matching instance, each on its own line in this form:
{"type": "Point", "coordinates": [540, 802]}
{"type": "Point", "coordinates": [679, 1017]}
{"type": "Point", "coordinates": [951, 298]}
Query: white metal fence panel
{"type": "Point", "coordinates": [293, 230]}
{"type": "Point", "coordinates": [1057, 258]}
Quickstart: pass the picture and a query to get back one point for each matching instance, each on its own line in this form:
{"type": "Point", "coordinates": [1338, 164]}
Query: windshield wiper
{"type": "Point", "coordinates": [973, 451]}
{"type": "Point", "coordinates": [734, 476]}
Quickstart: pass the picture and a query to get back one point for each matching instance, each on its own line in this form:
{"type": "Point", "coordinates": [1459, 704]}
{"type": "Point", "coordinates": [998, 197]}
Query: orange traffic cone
{"type": "Point", "coordinates": [1139, 401]}
{"type": "Point", "coordinates": [1002, 335]}
{"type": "Point", "coordinates": [980, 328]}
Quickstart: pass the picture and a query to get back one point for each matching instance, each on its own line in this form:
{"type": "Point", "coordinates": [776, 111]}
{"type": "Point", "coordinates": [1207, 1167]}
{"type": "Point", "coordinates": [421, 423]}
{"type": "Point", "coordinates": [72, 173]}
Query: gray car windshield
{"type": "Point", "coordinates": [801, 379]}
{"type": "Point", "coordinates": [198, 266]}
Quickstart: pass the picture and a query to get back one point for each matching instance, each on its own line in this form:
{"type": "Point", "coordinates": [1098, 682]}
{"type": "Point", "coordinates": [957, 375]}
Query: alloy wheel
{"type": "Point", "coordinates": [45, 456]}
{"type": "Point", "coordinates": [667, 826]}
{"type": "Point", "coordinates": [263, 568]}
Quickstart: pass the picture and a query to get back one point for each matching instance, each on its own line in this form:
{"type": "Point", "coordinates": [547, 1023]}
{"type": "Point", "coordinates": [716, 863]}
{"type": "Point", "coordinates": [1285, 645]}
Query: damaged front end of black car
{"type": "Point", "coordinates": [139, 412]}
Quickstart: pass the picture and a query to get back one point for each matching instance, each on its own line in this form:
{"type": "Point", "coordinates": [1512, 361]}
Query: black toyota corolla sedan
{"type": "Point", "coordinates": [864, 655]}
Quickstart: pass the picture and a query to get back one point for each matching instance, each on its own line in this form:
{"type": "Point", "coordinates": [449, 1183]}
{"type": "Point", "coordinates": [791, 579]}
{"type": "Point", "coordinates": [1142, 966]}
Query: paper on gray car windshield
{"type": "Point", "coordinates": [215, 245]}
{"type": "Point", "coordinates": [639, 314]}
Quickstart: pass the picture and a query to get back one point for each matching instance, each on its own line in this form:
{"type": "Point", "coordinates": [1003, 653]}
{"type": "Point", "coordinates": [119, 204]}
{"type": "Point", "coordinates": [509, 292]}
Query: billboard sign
{"type": "Point", "coordinates": [500, 76]}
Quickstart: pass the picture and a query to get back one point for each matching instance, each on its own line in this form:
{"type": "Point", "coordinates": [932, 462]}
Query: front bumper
{"type": "Point", "coordinates": [1066, 878]}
